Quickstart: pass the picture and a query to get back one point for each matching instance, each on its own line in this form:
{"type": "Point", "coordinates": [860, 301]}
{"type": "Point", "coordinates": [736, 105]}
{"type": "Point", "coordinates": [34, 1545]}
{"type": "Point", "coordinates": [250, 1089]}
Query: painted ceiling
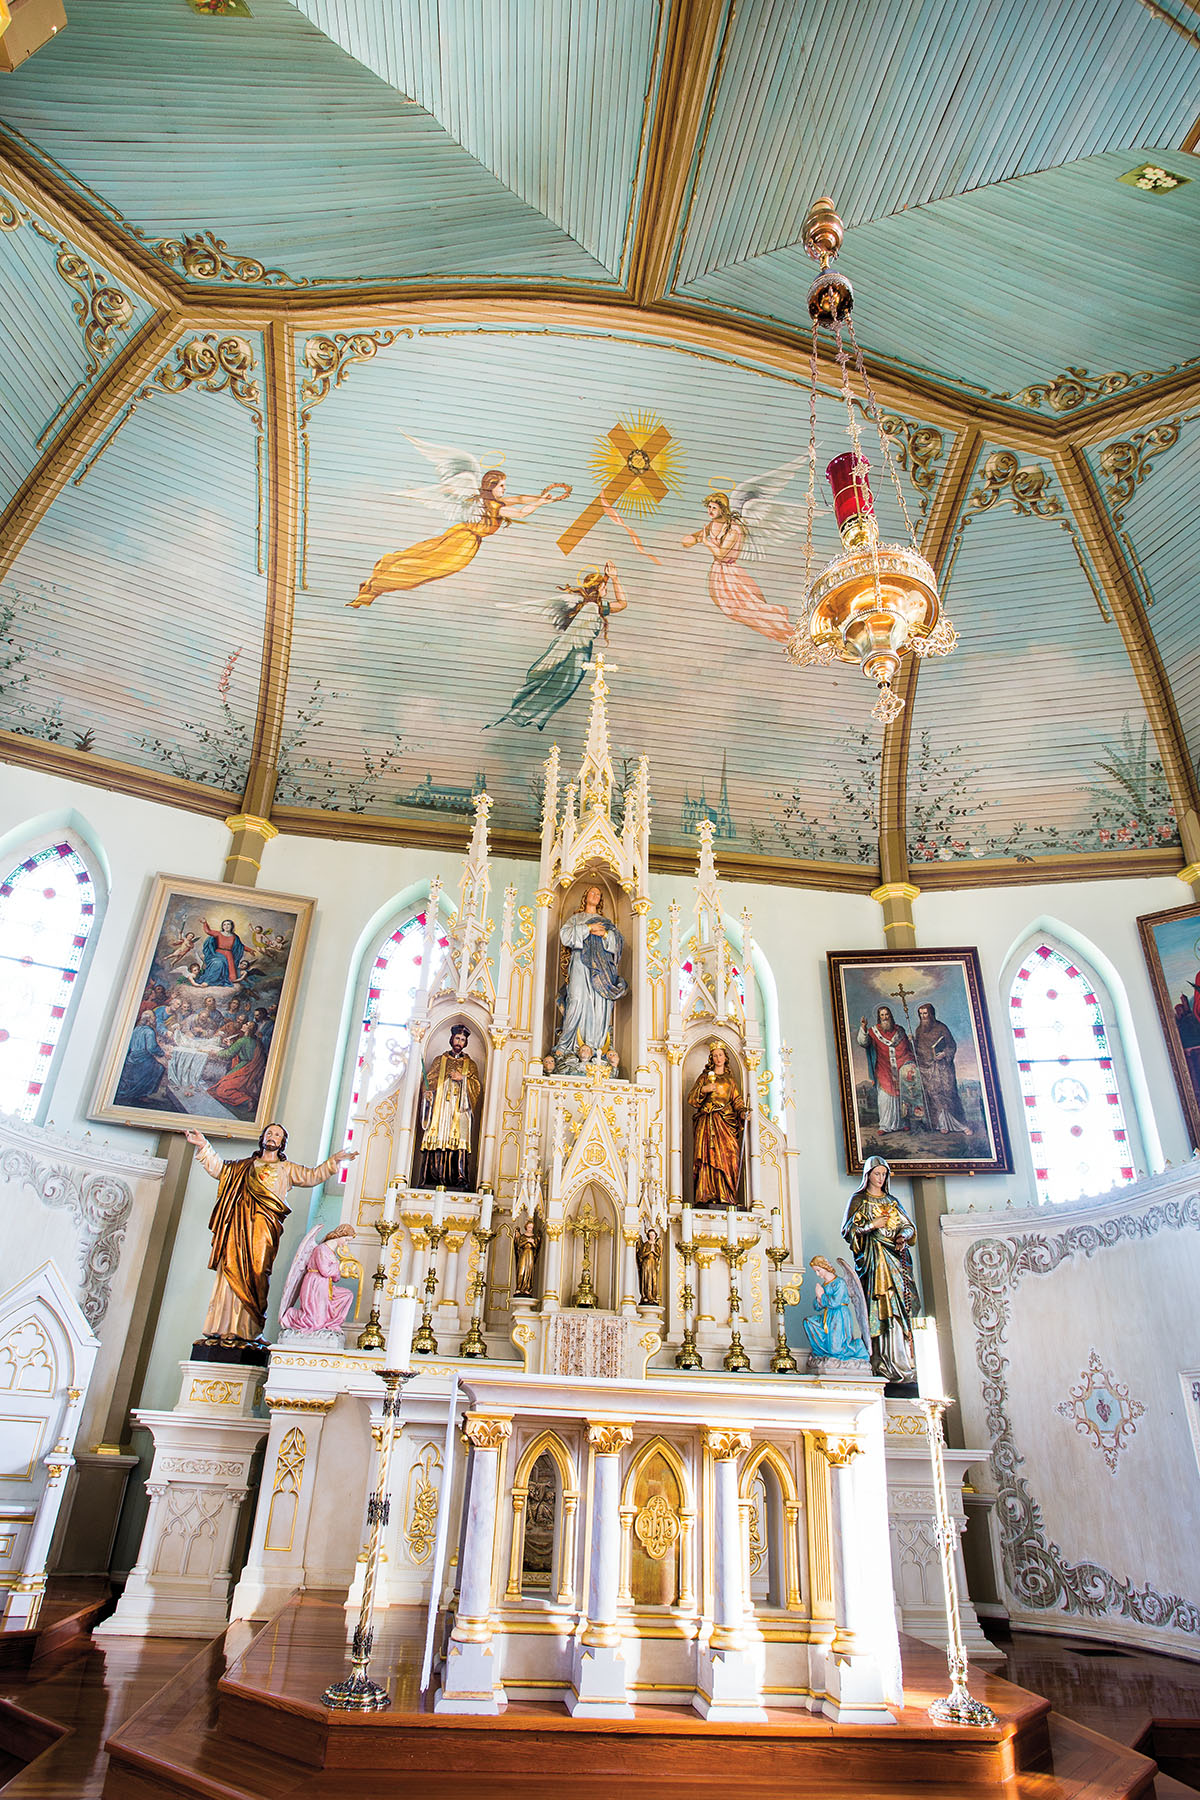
{"type": "Point", "coordinates": [265, 278]}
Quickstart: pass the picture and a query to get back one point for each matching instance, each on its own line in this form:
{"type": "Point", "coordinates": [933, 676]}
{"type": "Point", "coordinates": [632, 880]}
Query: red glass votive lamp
{"type": "Point", "coordinates": [853, 506]}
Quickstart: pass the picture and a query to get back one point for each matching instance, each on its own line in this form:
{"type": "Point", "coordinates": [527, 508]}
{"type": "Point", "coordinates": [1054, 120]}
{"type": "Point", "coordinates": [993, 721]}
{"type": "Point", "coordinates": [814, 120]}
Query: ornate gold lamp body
{"type": "Point", "coordinates": [877, 601]}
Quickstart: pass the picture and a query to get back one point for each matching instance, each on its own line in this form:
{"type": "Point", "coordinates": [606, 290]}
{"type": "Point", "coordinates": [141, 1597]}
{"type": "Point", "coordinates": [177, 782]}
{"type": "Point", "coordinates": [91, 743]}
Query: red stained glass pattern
{"type": "Point", "coordinates": [1073, 1109]}
{"type": "Point", "coordinates": [383, 1036]}
{"type": "Point", "coordinates": [43, 936]}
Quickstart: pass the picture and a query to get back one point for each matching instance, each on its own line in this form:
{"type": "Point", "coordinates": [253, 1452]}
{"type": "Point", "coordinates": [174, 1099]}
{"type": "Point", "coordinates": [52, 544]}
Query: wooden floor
{"type": "Point", "coordinates": [179, 1745]}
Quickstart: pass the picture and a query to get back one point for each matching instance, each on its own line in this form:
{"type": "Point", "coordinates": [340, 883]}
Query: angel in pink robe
{"type": "Point", "coordinates": [311, 1299]}
{"type": "Point", "coordinates": [745, 525]}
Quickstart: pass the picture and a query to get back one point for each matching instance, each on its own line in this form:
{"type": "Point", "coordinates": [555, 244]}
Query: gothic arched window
{"type": "Point", "coordinates": [47, 909]}
{"type": "Point", "coordinates": [1074, 1114]}
{"type": "Point", "coordinates": [393, 977]}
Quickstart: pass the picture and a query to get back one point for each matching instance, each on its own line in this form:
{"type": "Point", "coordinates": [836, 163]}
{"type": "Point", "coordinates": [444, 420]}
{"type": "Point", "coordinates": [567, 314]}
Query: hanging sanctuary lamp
{"type": "Point", "coordinates": [874, 602]}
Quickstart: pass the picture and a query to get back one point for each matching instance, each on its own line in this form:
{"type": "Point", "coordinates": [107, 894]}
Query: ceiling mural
{"type": "Point", "coordinates": [1073, 766]}
{"type": "Point", "coordinates": [457, 650]}
{"type": "Point", "coordinates": [1149, 480]}
{"type": "Point", "coordinates": [66, 318]}
{"type": "Point", "coordinates": [342, 453]}
{"type": "Point", "coordinates": [137, 606]}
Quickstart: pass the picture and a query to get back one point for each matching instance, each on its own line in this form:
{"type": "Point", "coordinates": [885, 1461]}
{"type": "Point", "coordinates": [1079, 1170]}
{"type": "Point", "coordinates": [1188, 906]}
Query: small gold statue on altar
{"type": "Point", "coordinates": [527, 1242]}
{"type": "Point", "coordinates": [649, 1263]}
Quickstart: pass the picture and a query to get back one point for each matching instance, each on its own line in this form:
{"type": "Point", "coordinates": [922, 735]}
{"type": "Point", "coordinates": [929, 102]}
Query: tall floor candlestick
{"type": "Point", "coordinates": [473, 1344]}
{"type": "Point", "coordinates": [687, 1356]}
{"type": "Point", "coordinates": [357, 1692]}
{"type": "Point", "coordinates": [959, 1707]}
{"type": "Point", "coordinates": [371, 1337]}
{"type": "Point", "coordinates": [424, 1343]}
{"type": "Point", "coordinates": [735, 1250]}
{"type": "Point", "coordinates": [783, 1362]}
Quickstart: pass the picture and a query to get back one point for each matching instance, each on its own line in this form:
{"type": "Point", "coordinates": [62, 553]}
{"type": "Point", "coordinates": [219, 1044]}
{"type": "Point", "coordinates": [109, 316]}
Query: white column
{"type": "Point", "coordinates": [275, 1562]}
{"type": "Point", "coordinates": [675, 1120]}
{"type": "Point", "coordinates": [598, 1683]}
{"type": "Point", "coordinates": [485, 1169]}
{"type": "Point", "coordinates": [730, 1676]}
{"type": "Point", "coordinates": [541, 935]}
{"type": "Point", "coordinates": [446, 1314]}
{"type": "Point", "coordinates": [754, 1183]}
{"type": "Point", "coordinates": [471, 1677]}
{"type": "Point", "coordinates": [631, 1290]}
{"type": "Point", "coordinates": [641, 990]}
{"type": "Point", "coordinates": [551, 1296]}
{"type": "Point", "coordinates": [408, 1103]}
{"type": "Point", "coordinates": [853, 1681]}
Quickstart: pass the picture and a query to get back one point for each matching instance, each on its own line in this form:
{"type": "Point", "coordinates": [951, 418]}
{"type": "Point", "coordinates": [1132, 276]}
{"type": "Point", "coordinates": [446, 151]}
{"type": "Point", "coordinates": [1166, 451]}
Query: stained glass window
{"type": "Point", "coordinates": [47, 910]}
{"type": "Point", "coordinates": [1072, 1101]}
{"type": "Point", "coordinates": [383, 1035]}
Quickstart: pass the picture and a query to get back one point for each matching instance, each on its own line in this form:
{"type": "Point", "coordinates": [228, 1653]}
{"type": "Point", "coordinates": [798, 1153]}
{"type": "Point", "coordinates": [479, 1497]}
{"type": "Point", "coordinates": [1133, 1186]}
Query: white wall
{"type": "Point", "coordinates": [354, 884]}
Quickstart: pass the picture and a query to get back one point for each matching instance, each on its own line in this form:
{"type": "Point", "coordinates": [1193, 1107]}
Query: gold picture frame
{"type": "Point", "coordinates": [950, 1123]}
{"type": "Point", "coordinates": [201, 1026]}
{"type": "Point", "coordinates": [1169, 941]}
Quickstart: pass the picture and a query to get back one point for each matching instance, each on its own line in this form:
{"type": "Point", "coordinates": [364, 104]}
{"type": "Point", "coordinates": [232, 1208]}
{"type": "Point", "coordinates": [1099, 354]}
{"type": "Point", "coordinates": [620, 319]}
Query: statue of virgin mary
{"type": "Point", "coordinates": [592, 989]}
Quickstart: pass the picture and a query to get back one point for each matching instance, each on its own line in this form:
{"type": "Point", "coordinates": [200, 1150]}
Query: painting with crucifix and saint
{"type": "Point", "coordinates": [915, 1063]}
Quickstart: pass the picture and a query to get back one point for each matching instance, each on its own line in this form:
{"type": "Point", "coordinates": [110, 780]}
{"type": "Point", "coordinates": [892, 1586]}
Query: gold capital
{"type": "Point", "coordinates": [837, 1451]}
{"type": "Point", "coordinates": [725, 1445]}
{"type": "Point", "coordinates": [486, 1434]}
{"type": "Point", "coordinates": [895, 890]}
{"type": "Point", "coordinates": [262, 828]}
{"type": "Point", "coordinates": [609, 1440]}
{"type": "Point", "coordinates": [1190, 875]}
{"type": "Point", "coordinates": [545, 896]}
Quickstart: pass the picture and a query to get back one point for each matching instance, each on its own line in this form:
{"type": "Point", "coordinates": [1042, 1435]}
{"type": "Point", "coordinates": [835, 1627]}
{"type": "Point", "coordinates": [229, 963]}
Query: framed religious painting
{"type": "Point", "coordinates": [1171, 945]}
{"type": "Point", "coordinates": [915, 1062]}
{"type": "Point", "coordinates": [202, 1022]}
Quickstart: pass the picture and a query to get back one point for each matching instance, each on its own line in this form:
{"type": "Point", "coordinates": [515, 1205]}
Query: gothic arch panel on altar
{"type": "Point", "coordinates": [605, 1257]}
{"type": "Point", "coordinates": [616, 907]}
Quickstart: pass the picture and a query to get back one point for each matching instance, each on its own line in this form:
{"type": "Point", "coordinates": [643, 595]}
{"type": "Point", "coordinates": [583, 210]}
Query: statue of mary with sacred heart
{"type": "Point", "coordinates": [593, 987]}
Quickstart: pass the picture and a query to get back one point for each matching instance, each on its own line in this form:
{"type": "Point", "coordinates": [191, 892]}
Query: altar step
{"type": "Point", "coordinates": [244, 1721]}
{"type": "Point", "coordinates": [69, 1611]}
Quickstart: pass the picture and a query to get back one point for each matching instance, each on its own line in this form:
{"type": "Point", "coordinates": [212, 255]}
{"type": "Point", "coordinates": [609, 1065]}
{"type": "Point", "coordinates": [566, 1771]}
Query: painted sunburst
{"type": "Point", "coordinates": [638, 444]}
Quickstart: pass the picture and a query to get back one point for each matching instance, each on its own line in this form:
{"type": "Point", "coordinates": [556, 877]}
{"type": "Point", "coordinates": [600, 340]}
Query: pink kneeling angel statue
{"type": "Point", "coordinates": [311, 1299]}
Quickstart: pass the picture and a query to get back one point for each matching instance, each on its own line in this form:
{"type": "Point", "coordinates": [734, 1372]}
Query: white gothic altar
{"type": "Point", "coordinates": [647, 1500]}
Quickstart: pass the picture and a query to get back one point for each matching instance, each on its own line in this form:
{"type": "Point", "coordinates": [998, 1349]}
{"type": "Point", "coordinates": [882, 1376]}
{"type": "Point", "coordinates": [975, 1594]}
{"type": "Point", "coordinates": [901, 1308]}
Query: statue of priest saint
{"type": "Point", "coordinates": [450, 1090]}
{"type": "Point", "coordinates": [246, 1225]}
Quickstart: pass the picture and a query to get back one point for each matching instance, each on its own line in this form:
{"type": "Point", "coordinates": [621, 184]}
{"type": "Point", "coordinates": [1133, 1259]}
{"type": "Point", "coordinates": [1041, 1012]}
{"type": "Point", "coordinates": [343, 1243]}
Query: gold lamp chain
{"type": "Point", "coordinates": [812, 461]}
{"type": "Point", "coordinates": [843, 358]}
{"type": "Point", "coordinates": [873, 409]}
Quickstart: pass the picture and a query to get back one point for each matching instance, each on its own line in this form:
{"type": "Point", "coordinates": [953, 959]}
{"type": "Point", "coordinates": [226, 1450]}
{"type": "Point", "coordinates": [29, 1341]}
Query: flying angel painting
{"type": "Point", "coordinates": [748, 524]}
{"type": "Point", "coordinates": [553, 678]}
{"type": "Point", "coordinates": [475, 504]}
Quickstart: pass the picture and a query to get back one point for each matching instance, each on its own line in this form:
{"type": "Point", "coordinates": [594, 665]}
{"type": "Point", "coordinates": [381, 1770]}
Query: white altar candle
{"type": "Point", "coordinates": [439, 1208]}
{"type": "Point", "coordinates": [730, 1228]}
{"type": "Point", "coordinates": [397, 1352]}
{"type": "Point", "coordinates": [686, 1223]}
{"type": "Point", "coordinates": [930, 1385]}
{"type": "Point", "coordinates": [776, 1228]}
{"type": "Point", "coordinates": [486, 1201]}
{"type": "Point", "coordinates": [390, 1200]}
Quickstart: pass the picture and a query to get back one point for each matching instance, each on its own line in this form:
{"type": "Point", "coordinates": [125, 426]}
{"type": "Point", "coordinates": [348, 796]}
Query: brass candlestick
{"type": "Point", "coordinates": [687, 1356]}
{"type": "Point", "coordinates": [959, 1707]}
{"type": "Point", "coordinates": [587, 1225]}
{"type": "Point", "coordinates": [473, 1344]}
{"type": "Point", "coordinates": [371, 1338]}
{"type": "Point", "coordinates": [357, 1692]}
{"type": "Point", "coordinates": [424, 1343]}
{"type": "Point", "coordinates": [783, 1362]}
{"type": "Point", "coordinates": [735, 1254]}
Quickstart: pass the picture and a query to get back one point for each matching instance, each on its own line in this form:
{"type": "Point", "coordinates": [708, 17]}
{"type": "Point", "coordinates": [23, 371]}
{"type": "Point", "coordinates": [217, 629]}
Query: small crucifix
{"type": "Point", "coordinates": [903, 995]}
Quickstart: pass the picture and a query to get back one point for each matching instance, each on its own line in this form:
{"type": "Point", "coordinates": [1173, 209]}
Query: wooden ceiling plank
{"type": "Point", "coordinates": [936, 538]}
{"type": "Point", "coordinates": [283, 492]}
{"type": "Point", "coordinates": [1087, 506]}
{"type": "Point", "coordinates": [83, 428]}
{"type": "Point", "coordinates": [696, 33]}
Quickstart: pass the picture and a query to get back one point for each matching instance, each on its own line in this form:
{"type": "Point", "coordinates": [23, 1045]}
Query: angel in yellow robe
{"type": "Point", "coordinates": [475, 502]}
